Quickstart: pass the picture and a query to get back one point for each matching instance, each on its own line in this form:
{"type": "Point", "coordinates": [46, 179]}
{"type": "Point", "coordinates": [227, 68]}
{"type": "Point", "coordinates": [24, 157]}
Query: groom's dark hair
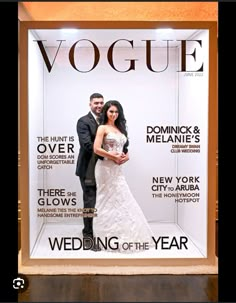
{"type": "Point", "coordinates": [95, 95]}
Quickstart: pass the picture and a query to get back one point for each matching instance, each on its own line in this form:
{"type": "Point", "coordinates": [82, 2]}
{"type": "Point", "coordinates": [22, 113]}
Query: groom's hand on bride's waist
{"type": "Point", "coordinates": [124, 157]}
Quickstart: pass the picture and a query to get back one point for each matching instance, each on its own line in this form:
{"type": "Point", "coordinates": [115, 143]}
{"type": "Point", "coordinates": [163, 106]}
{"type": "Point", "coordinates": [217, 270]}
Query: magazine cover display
{"type": "Point", "coordinates": [118, 143]}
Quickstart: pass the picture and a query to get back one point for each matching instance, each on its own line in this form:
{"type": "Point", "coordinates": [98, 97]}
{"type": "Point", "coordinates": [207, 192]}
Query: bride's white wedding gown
{"type": "Point", "coordinates": [118, 213]}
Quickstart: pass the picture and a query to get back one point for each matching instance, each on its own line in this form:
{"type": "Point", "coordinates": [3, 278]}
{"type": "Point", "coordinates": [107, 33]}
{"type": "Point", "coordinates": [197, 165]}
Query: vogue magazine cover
{"type": "Point", "coordinates": [118, 142]}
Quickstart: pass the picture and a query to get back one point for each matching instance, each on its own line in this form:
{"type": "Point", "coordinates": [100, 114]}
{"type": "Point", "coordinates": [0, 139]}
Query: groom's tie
{"type": "Point", "coordinates": [97, 119]}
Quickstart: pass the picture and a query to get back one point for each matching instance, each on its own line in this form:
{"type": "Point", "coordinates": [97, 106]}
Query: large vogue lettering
{"type": "Point", "coordinates": [150, 53]}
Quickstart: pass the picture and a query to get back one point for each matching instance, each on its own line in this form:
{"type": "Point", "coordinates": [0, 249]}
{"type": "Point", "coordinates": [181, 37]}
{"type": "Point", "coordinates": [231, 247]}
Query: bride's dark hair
{"type": "Point", "coordinates": [120, 122]}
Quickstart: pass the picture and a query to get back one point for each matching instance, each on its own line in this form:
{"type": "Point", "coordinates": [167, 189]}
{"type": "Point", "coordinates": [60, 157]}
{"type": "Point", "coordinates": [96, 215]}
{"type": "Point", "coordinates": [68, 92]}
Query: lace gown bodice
{"type": "Point", "coordinates": [114, 142]}
{"type": "Point", "coordinates": [118, 213]}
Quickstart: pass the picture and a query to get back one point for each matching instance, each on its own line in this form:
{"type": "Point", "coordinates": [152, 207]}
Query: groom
{"type": "Point", "coordinates": [86, 129]}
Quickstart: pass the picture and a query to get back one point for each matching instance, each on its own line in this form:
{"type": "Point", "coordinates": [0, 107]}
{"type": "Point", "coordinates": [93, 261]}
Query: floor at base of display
{"type": "Point", "coordinates": [101, 288]}
{"type": "Point", "coordinates": [42, 248]}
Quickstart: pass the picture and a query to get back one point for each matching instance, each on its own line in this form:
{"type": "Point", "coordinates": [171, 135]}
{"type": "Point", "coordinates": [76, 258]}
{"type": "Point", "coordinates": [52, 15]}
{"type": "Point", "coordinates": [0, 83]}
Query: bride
{"type": "Point", "coordinates": [119, 216]}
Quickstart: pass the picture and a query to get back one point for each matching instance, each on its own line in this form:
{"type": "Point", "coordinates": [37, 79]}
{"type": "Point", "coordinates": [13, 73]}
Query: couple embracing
{"type": "Point", "coordinates": [104, 143]}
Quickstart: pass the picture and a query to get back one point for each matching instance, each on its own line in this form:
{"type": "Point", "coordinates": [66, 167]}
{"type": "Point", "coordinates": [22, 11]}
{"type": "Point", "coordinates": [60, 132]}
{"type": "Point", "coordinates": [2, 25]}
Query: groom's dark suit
{"type": "Point", "coordinates": [86, 129]}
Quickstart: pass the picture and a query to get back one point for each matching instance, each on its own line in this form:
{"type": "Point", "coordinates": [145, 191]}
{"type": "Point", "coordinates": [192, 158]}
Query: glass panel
{"type": "Point", "coordinates": [155, 204]}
